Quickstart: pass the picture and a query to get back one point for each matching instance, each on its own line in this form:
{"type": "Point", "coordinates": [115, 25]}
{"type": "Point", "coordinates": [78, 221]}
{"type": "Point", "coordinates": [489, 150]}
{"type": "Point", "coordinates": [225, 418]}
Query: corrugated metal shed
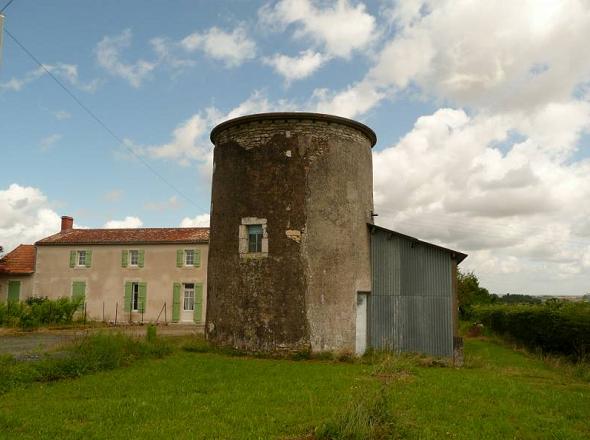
{"type": "Point", "coordinates": [411, 305]}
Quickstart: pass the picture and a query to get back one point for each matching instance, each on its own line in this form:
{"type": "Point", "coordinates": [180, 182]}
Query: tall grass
{"type": "Point", "coordinates": [367, 417]}
{"type": "Point", "coordinates": [102, 351]}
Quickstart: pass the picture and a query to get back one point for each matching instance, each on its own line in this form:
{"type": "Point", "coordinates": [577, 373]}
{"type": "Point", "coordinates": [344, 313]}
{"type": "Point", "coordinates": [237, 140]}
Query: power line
{"type": "Point", "coordinates": [100, 121]}
{"type": "Point", "coordinates": [6, 6]}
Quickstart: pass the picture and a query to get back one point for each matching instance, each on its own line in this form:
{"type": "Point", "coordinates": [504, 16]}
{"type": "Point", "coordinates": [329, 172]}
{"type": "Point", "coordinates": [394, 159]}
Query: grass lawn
{"type": "Point", "coordinates": [501, 394]}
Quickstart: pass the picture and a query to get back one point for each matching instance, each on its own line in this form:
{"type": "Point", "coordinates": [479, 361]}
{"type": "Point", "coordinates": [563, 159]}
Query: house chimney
{"type": "Point", "coordinates": [67, 223]}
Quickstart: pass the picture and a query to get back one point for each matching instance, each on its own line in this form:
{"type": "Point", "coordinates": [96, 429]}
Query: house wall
{"type": "Point", "coordinates": [411, 307]}
{"type": "Point", "coordinates": [311, 181]}
{"type": "Point", "coordinates": [105, 279]}
{"type": "Point", "coordinates": [26, 285]}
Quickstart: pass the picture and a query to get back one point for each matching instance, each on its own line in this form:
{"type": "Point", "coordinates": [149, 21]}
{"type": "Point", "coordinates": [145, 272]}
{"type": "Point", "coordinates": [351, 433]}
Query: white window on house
{"type": "Point", "coordinates": [134, 257]}
{"type": "Point", "coordinates": [81, 258]}
{"type": "Point", "coordinates": [134, 297]}
{"type": "Point", "coordinates": [189, 257]}
{"type": "Point", "coordinates": [189, 297]}
{"type": "Point", "coordinates": [254, 238]}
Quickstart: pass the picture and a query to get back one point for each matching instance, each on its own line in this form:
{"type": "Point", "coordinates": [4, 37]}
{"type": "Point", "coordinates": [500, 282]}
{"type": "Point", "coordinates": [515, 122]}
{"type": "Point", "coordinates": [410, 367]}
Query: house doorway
{"type": "Point", "coordinates": [188, 302]}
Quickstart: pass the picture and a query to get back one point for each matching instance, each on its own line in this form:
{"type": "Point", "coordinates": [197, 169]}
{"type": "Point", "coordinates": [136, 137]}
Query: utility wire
{"type": "Point", "coordinates": [98, 120]}
{"type": "Point", "coordinates": [6, 6]}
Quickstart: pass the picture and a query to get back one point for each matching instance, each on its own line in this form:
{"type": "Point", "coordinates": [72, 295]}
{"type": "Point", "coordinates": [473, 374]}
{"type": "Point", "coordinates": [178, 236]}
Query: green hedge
{"type": "Point", "coordinates": [553, 327]}
{"type": "Point", "coordinates": [38, 311]}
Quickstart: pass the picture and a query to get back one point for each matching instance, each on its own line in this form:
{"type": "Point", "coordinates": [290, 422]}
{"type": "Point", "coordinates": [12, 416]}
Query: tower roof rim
{"type": "Point", "coordinates": [322, 117]}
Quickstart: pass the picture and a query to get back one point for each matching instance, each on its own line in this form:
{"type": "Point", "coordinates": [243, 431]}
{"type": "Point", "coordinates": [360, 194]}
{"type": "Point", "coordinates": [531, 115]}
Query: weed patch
{"type": "Point", "coordinates": [367, 417]}
{"type": "Point", "coordinates": [88, 355]}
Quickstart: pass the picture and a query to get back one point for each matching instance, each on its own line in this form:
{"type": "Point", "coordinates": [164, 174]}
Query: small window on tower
{"type": "Point", "coordinates": [254, 238]}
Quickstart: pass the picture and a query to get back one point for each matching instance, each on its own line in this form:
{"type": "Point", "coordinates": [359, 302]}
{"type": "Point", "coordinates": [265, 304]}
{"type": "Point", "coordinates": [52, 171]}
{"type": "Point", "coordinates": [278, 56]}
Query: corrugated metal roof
{"type": "Point", "coordinates": [125, 236]}
{"type": "Point", "coordinates": [459, 256]}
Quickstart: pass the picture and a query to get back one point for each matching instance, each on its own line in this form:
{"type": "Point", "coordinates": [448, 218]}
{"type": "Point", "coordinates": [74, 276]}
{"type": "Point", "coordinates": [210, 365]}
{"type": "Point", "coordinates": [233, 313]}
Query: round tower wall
{"type": "Point", "coordinates": [307, 182]}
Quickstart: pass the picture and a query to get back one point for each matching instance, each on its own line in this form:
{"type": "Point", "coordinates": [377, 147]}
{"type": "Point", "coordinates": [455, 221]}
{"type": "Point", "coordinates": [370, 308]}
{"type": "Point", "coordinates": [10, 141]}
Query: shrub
{"type": "Point", "coordinates": [553, 327]}
{"type": "Point", "coordinates": [34, 312]}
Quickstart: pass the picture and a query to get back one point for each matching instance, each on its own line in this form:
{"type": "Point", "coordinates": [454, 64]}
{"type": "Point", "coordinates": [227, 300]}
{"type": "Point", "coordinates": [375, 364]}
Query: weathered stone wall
{"type": "Point", "coordinates": [337, 243]}
{"type": "Point", "coordinates": [311, 180]}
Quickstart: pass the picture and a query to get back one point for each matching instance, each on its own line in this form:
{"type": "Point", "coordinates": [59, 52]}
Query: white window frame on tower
{"type": "Point", "coordinates": [261, 246]}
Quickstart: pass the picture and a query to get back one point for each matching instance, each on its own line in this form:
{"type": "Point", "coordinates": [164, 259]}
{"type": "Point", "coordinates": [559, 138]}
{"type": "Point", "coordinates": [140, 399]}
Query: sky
{"type": "Point", "coordinates": [481, 109]}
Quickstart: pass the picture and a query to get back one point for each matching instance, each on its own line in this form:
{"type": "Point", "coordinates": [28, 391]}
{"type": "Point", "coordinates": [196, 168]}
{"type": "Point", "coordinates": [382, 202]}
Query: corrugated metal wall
{"type": "Point", "coordinates": [410, 306]}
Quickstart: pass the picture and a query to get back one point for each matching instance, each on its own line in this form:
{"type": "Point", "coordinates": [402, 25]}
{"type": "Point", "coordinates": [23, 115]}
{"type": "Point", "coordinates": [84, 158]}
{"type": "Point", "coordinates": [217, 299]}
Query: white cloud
{"type": "Point", "coordinates": [233, 48]}
{"type": "Point", "coordinates": [127, 222]}
{"type": "Point", "coordinates": [338, 28]}
{"type": "Point", "coordinates": [25, 216]}
{"type": "Point", "coordinates": [190, 144]}
{"type": "Point", "coordinates": [61, 115]}
{"type": "Point", "coordinates": [517, 209]}
{"type": "Point", "coordinates": [500, 56]}
{"type": "Point", "coordinates": [114, 196]}
{"type": "Point", "coordinates": [108, 55]}
{"type": "Point", "coordinates": [167, 52]}
{"type": "Point", "coordinates": [64, 71]}
{"type": "Point", "coordinates": [355, 100]}
{"type": "Point", "coordinates": [170, 204]}
{"type": "Point", "coordinates": [201, 220]}
{"type": "Point", "coordinates": [49, 141]}
{"type": "Point", "coordinates": [298, 67]}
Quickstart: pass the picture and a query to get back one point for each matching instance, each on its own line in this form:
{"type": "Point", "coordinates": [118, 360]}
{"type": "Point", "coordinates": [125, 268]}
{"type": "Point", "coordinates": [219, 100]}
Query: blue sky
{"type": "Point", "coordinates": [478, 148]}
{"type": "Point", "coordinates": [82, 165]}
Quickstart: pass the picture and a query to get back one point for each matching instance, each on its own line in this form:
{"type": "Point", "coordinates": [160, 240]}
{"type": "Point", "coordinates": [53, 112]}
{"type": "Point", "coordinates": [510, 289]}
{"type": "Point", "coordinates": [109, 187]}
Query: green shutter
{"type": "Point", "coordinates": [127, 303]}
{"type": "Point", "coordinates": [124, 258]}
{"type": "Point", "coordinates": [88, 258]}
{"type": "Point", "coordinates": [142, 297]}
{"type": "Point", "coordinates": [198, 313]}
{"type": "Point", "coordinates": [141, 258]}
{"type": "Point", "coordinates": [176, 302]}
{"type": "Point", "coordinates": [72, 258]}
{"type": "Point", "coordinates": [79, 291]}
{"type": "Point", "coordinates": [179, 255]}
{"type": "Point", "coordinates": [197, 260]}
{"type": "Point", "coordinates": [13, 291]}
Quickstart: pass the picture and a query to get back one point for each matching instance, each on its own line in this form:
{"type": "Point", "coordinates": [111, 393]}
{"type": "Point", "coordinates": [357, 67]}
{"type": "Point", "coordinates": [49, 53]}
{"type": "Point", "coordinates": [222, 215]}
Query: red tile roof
{"type": "Point", "coordinates": [126, 236]}
{"type": "Point", "coordinates": [19, 261]}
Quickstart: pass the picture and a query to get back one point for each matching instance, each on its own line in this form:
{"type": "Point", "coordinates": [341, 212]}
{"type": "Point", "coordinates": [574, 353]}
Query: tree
{"type": "Point", "coordinates": [469, 292]}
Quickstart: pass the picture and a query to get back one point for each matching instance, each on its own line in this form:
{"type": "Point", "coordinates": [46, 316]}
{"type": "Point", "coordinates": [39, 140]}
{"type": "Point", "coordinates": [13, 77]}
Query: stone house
{"type": "Point", "coordinates": [127, 275]}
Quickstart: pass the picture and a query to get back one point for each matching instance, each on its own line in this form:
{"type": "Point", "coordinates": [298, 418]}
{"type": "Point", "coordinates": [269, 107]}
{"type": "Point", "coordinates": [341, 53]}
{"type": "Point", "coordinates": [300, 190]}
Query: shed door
{"type": "Point", "coordinates": [361, 323]}
{"type": "Point", "coordinates": [13, 290]}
